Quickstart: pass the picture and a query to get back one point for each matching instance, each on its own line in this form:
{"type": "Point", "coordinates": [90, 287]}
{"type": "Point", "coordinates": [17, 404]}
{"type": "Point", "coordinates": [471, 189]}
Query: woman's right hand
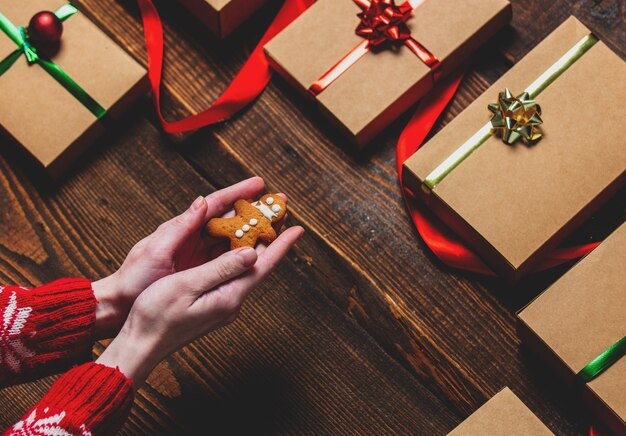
{"type": "Point", "coordinates": [183, 306]}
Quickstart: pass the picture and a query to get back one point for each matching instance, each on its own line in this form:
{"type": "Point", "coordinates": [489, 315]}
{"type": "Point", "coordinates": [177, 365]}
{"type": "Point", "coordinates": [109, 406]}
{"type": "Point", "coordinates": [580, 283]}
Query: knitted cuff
{"type": "Point", "coordinates": [46, 329]}
{"type": "Point", "coordinates": [88, 399]}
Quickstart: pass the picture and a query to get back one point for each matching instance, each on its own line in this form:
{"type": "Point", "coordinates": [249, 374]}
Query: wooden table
{"type": "Point", "coordinates": [361, 329]}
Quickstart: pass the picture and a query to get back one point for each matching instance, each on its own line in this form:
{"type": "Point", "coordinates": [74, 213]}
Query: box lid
{"type": "Point", "coordinates": [504, 414]}
{"type": "Point", "coordinates": [325, 33]}
{"type": "Point", "coordinates": [519, 197]}
{"type": "Point", "coordinates": [584, 313]}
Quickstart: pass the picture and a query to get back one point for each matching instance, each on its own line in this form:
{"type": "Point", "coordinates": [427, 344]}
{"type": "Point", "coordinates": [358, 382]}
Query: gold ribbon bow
{"type": "Point", "coordinates": [515, 117]}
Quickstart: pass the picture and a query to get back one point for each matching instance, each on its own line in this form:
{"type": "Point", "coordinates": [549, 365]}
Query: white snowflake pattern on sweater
{"type": "Point", "coordinates": [13, 352]}
{"type": "Point", "coordinates": [48, 425]}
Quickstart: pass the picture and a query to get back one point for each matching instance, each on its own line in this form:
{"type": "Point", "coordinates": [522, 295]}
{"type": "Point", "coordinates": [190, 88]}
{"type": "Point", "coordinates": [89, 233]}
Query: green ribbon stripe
{"type": "Point", "coordinates": [601, 363]}
{"type": "Point", "coordinates": [19, 37]}
{"type": "Point", "coordinates": [485, 132]}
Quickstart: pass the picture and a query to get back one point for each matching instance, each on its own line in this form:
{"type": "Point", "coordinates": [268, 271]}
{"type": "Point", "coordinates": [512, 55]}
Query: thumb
{"type": "Point", "coordinates": [173, 233]}
{"type": "Point", "coordinates": [226, 267]}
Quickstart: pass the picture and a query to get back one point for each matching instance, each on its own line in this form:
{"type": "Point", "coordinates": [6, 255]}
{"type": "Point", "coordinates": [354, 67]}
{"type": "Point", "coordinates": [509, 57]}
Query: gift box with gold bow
{"type": "Point", "coordinates": [533, 157]}
{"type": "Point", "coordinates": [577, 329]}
{"type": "Point", "coordinates": [367, 61]}
{"type": "Point", "coordinates": [61, 80]}
{"type": "Point", "coordinates": [222, 16]}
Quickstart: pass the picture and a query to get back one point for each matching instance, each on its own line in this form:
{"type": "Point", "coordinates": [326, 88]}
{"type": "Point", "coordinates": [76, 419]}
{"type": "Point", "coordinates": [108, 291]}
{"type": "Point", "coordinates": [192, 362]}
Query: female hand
{"type": "Point", "coordinates": [175, 246]}
{"type": "Point", "coordinates": [185, 305]}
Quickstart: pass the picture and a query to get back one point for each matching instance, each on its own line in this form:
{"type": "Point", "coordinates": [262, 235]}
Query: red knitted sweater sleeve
{"type": "Point", "coordinates": [90, 399]}
{"type": "Point", "coordinates": [45, 330]}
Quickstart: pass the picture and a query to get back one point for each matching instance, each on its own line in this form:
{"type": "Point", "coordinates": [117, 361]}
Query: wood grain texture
{"type": "Point", "coordinates": [291, 350]}
{"type": "Point", "coordinates": [361, 329]}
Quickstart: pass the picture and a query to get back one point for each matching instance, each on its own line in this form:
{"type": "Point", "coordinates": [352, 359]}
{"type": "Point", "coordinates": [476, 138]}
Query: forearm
{"type": "Point", "coordinates": [134, 357]}
{"type": "Point", "coordinates": [45, 329]}
{"type": "Point", "coordinates": [111, 310]}
{"type": "Point", "coordinates": [90, 399]}
{"type": "Point", "coordinates": [48, 328]}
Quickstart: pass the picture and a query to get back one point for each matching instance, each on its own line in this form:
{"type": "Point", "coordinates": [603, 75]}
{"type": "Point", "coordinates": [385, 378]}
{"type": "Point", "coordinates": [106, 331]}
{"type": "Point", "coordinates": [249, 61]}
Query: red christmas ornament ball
{"type": "Point", "coordinates": [45, 28]}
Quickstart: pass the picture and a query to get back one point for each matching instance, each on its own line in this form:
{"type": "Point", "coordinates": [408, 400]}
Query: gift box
{"type": "Point", "coordinates": [56, 98]}
{"type": "Point", "coordinates": [515, 173]}
{"type": "Point", "coordinates": [504, 414]}
{"type": "Point", "coordinates": [364, 79]}
{"type": "Point", "coordinates": [577, 328]}
{"type": "Point", "coordinates": [222, 16]}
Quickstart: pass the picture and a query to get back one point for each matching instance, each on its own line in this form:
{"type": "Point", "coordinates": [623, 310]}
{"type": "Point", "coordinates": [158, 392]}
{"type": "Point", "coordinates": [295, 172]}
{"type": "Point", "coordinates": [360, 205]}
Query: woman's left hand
{"type": "Point", "coordinates": [176, 245]}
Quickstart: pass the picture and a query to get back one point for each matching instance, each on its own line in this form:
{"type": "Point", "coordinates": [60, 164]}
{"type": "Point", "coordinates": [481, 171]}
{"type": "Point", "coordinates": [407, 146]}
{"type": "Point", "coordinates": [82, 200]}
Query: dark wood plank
{"type": "Point", "coordinates": [448, 328]}
{"type": "Point", "coordinates": [305, 149]}
{"type": "Point", "coordinates": [533, 20]}
{"type": "Point", "coordinates": [454, 332]}
{"type": "Point", "coordinates": [355, 190]}
{"type": "Point", "coordinates": [293, 362]}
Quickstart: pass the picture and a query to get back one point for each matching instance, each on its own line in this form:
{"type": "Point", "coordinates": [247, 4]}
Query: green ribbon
{"type": "Point", "coordinates": [485, 132]}
{"type": "Point", "coordinates": [20, 38]}
{"type": "Point", "coordinates": [601, 363]}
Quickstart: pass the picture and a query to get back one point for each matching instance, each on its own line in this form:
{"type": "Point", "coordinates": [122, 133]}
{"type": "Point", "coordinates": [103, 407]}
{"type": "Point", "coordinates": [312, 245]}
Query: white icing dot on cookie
{"type": "Point", "coordinates": [245, 228]}
{"type": "Point", "coordinates": [239, 234]}
{"type": "Point", "coordinates": [254, 222]}
{"type": "Point", "coordinates": [276, 208]}
{"type": "Point", "coordinates": [270, 200]}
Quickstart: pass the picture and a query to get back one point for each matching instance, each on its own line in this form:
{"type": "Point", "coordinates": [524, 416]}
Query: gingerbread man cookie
{"type": "Point", "coordinates": [254, 221]}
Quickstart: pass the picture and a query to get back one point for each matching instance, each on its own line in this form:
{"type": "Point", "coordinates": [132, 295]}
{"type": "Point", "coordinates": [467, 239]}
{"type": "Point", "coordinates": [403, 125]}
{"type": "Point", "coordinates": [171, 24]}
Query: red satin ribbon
{"type": "Point", "coordinates": [595, 431]}
{"type": "Point", "coordinates": [447, 246]}
{"type": "Point", "coordinates": [247, 85]}
{"type": "Point", "coordinates": [381, 21]}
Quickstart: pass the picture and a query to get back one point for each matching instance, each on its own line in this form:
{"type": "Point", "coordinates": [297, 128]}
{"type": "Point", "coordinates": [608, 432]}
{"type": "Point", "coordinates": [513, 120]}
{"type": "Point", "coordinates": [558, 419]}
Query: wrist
{"type": "Point", "coordinates": [110, 309]}
{"type": "Point", "coordinates": [134, 357]}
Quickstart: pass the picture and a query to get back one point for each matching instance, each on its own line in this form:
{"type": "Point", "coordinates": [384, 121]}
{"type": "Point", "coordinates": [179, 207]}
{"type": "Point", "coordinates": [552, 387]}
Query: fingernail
{"type": "Point", "coordinates": [197, 203]}
{"type": "Point", "coordinates": [247, 255]}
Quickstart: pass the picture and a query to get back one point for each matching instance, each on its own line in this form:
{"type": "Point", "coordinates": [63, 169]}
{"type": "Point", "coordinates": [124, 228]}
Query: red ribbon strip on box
{"type": "Point", "coordinates": [381, 21]}
{"type": "Point", "coordinates": [446, 245]}
{"type": "Point", "coordinates": [247, 85]}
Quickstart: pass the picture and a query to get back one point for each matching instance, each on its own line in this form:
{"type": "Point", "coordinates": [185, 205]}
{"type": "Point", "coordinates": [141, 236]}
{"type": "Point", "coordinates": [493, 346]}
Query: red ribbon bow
{"type": "Point", "coordinates": [383, 20]}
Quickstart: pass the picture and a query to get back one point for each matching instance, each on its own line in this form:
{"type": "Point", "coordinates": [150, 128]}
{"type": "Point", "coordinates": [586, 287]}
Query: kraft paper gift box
{"type": "Point", "coordinates": [578, 319]}
{"type": "Point", "coordinates": [502, 415]}
{"type": "Point", "coordinates": [37, 113]}
{"type": "Point", "coordinates": [388, 79]}
{"type": "Point", "coordinates": [222, 16]}
{"type": "Point", "coordinates": [513, 203]}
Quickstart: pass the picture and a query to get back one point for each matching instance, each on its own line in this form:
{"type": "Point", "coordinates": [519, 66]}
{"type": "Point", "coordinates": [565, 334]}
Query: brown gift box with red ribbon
{"type": "Point", "coordinates": [367, 62]}
{"type": "Point", "coordinates": [503, 414]}
{"type": "Point", "coordinates": [222, 16]}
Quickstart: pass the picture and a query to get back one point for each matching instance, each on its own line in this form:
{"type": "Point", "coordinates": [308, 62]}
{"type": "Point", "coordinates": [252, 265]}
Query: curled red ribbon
{"type": "Point", "coordinates": [247, 85]}
{"type": "Point", "coordinates": [382, 21]}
